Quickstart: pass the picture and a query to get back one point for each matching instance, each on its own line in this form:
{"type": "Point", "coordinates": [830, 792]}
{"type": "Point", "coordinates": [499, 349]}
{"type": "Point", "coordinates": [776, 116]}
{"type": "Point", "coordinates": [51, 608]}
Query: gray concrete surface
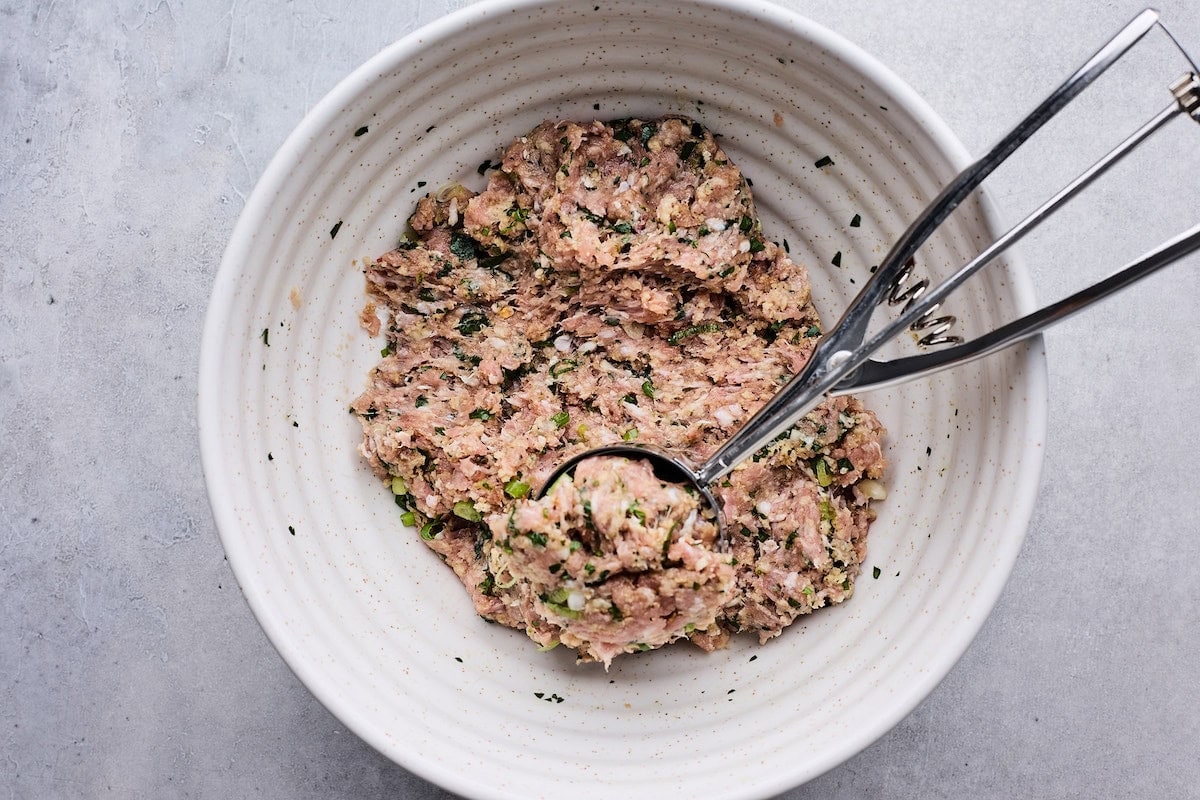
{"type": "Point", "coordinates": [130, 666]}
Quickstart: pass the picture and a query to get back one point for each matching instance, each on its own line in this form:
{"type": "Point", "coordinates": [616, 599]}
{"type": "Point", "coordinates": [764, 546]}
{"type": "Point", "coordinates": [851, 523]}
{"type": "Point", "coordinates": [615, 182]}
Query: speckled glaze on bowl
{"type": "Point", "coordinates": [379, 629]}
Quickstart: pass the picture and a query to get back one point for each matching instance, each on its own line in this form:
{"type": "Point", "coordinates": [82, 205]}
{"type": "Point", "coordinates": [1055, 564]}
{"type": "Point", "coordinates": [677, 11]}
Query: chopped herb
{"type": "Point", "coordinates": [334, 230]}
{"type": "Point", "coordinates": [845, 464]}
{"type": "Point", "coordinates": [875, 573]}
{"type": "Point", "coordinates": [648, 131]}
{"type": "Point", "coordinates": [409, 518]}
{"type": "Point", "coordinates": [693, 330]}
{"type": "Point", "coordinates": [595, 219]}
{"type": "Point", "coordinates": [787, 248]}
{"type": "Point", "coordinates": [645, 160]}
{"type": "Point", "coordinates": [481, 414]}
{"type": "Point", "coordinates": [472, 322]}
{"type": "Point", "coordinates": [823, 161]}
{"type": "Point", "coordinates": [561, 419]}
{"type": "Point", "coordinates": [757, 246]}
{"type": "Point", "coordinates": [516, 489]}
{"type": "Point", "coordinates": [812, 332]}
{"type": "Point", "coordinates": [485, 166]}
{"type": "Point", "coordinates": [630, 434]}
{"type": "Point", "coordinates": [361, 131]}
{"type": "Point", "coordinates": [648, 388]}
{"type": "Point", "coordinates": [491, 262]}
{"type": "Point", "coordinates": [856, 221]}
{"type": "Point", "coordinates": [270, 457]}
{"type": "Point", "coordinates": [422, 401]}
{"type": "Point", "coordinates": [615, 613]}
{"type": "Point", "coordinates": [745, 224]}
{"type": "Point", "coordinates": [385, 352]}
{"type": "Point", "coordinates": [266, 337]}
{"type": "Point", "coordinates": [837, 259]}
{"type": "Point", "coordinates": [439, 430]}
{"type": "Point", "coordinates": [565, 235]}
{"type": "Point", "coordinates": [671, 227]}
{"type": "Point", "coordinates": [630, 398]}
{"type": "Point", "coordinates": [291, 530]}
{"type": "Point", "coordinates": [421, 184]}
{"type": "Point", "coordinates": [462, 246]}
{"type": "Point", "coordinates": [622, 227]}
{"type": "Point", "coordinates": [686, 151]}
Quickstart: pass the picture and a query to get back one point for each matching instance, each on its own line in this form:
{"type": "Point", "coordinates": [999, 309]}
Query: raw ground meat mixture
{"type": "Point", "coordinates": [611, 284]}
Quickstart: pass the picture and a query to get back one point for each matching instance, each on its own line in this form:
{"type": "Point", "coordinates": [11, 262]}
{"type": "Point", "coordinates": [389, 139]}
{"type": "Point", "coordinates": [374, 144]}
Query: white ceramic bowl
{"type": "Point", "coordinates": [379, 629]}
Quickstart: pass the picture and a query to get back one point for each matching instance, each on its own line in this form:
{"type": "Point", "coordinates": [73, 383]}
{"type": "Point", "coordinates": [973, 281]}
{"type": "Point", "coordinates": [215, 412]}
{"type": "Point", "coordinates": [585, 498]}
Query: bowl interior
{"type": "Point", "coordinates": [370, 619]}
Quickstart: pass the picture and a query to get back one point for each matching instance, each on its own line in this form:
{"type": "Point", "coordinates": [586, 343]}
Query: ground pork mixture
{"type": "Point", "coordinates": [611, 284]}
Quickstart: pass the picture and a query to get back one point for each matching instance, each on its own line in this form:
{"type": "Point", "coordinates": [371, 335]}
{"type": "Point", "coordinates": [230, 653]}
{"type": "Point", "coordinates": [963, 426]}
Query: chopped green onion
{"type": "Point", "coordinates": [516, 489]}
{"type": "Point", "coordinates": [562, 367]}
{"type": "Point", "coordinates": [630, 434]}
{"type": "Point", "coordinates": [648, 388]}
{"type": "Point", "coordinates": [399, 486]}
{"type": "Point", "coordinates": [431, 529]}
{"type": "Point", "coordinates": [561, 419]}
{"type": "Point", "coordinates": [409, 518]}
{"type": "Point", "coordinates": [823, 476]}
{"type": "Point", "coordinates": [875, 573]}
{"type": "Point", "coordinates": [465, 509]}
{"type": "Point", "coordinates": [756, 246]}
{"type": "Point", "coordinates": [481, 414]}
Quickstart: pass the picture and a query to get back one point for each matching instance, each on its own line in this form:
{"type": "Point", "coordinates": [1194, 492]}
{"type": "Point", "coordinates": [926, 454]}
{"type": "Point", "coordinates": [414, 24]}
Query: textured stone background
{"type": "Point", "coordinates": [130, 135]}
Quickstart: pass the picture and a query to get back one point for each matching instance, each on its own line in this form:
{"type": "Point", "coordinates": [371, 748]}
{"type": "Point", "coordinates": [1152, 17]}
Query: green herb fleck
{"type": "Point", "coordinates": [875, 573]}
{"type": "Point", "coordinates": [630, 434]}
{"type": "Point", "coordinates": [481, 414]}
{"type": "Point", "coordinates": [837, 259]}
{"type": "Point", "coordinates": [334, 230]}
{"type": "Point", "coordinates": [756, 246]}
{"type": "Point", "coordinates": [462, 246]}
{"type": "Point", "coordinates": [823, 161]}
{"type": "Point", "coordinates": [472, 322]}
{"type": "Point", "coordinates": [561, 419]}
{"type": "Point", "coordinates": [856, 221]}
{"type": "Point", "coordinates": [266, 337]}
{"type": "Point", "coordinates": [693, 330]}
{"type": "Point", "coordinates": [361, 131]}
{"type": "Point", "coordinates": [648, 388]}
{"type": "Point", "coordinates": [422, 401]}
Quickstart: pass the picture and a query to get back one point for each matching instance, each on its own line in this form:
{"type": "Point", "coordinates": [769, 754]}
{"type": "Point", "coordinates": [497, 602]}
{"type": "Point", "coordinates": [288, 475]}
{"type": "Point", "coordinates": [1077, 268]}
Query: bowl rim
{"type": "Point", "coordinates": [276, 175]}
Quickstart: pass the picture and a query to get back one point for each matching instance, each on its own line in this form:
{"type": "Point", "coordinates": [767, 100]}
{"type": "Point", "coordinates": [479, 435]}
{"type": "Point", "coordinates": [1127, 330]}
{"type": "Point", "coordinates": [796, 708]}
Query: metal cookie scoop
{"type": "Point", "coordinates": [842, 362]}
